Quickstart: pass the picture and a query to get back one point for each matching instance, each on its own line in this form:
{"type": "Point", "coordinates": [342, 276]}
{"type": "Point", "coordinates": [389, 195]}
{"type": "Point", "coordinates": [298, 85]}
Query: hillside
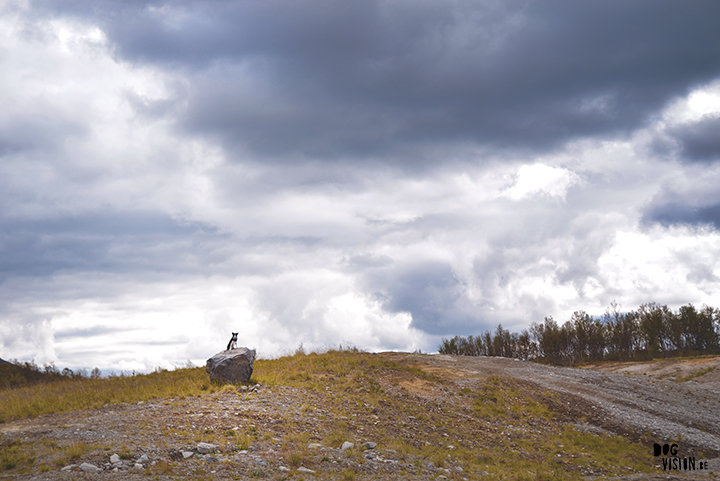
{"type": "Point", "coordinates": [16, 375]}
{"type": "Point", "coordinates": [428, 416]}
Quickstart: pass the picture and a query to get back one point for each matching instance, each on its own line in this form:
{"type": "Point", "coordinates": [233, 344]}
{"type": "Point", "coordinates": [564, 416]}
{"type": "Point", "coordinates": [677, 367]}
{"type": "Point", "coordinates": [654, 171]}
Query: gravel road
{"type": "Point", "coordinates": [659, 408]}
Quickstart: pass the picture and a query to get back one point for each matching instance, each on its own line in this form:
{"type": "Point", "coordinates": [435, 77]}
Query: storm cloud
{"type": "Point", "coordinates": [381, 173]}
{"type": "Point", "coordinates": [331, 80]}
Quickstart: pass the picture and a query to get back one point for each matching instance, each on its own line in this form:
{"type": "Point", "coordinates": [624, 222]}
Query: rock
{"type": "Point", "coordinates": [90, 468]}
{"type": "Point", "coordinates": [207, 448]}
{"type": "Point", "coordinates": [186, 454]}
{"type": "Point", "coordinates": [175, 455]}
{"type": "Point", "coordinates": [114, 459]}
{"type": "Point", "coordinates": [233, 367]}
{"type": "Point", "coordinates": [69, 467]}
{"type": "Point", "coordinates": [347, 445]}
{"type": "Point", "coordinates": [314, 446]}
{"type": "Point", "coordinates": [143, 459]}
{"type": "Point", "coordinates": [138, 466]}
{"type": "Point", "coordinates": [369, 445]}
{"type": "Point", "coordinates": [303, 469]}
{"type": "Point", "coordinates": [284, 468]}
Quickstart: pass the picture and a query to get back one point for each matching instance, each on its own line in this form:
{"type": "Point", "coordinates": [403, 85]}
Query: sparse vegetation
{"type": "Point", "coordinates": [496, 425]}
{"type": "Point", "coordinates": [79, 394]}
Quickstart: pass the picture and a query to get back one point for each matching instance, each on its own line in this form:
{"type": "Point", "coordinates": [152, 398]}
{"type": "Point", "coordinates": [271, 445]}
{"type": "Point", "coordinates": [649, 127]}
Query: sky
{"type": "Point", "coordinates": [375, 173]}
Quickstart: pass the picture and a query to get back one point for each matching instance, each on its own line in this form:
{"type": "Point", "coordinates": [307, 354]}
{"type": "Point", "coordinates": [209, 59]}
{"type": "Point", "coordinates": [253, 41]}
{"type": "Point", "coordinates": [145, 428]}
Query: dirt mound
{"type": "Point", "coordinates": [437, 415]}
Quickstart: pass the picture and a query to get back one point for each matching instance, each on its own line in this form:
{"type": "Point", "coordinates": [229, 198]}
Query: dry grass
{"type": "Point", "coordinates": [81, 394]}
{"type": "Point", "coordinates": [498, 425]}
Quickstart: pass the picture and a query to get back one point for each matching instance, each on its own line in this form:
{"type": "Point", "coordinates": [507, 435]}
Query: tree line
{"type": "Point", "coordinates": [18, 374]}
{"type": "Point", "coordinates": [649, 332]}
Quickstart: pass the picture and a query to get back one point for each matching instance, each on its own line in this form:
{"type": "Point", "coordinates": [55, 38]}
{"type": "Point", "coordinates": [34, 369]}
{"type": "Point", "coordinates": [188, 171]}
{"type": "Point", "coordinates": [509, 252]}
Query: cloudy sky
{"type": "Point", "coordinates": [380, 173]}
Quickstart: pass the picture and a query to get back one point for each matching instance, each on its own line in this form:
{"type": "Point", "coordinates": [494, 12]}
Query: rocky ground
{"type": "Point", "coordinates": [287, 432]}
{"type": "Point", "coordinates": [630, 398]}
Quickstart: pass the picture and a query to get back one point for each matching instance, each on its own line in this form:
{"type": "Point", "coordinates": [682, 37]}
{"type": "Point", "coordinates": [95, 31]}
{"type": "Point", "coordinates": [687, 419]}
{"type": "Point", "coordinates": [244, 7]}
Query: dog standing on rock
{"type": "Point", "coordinates": [233, 342]}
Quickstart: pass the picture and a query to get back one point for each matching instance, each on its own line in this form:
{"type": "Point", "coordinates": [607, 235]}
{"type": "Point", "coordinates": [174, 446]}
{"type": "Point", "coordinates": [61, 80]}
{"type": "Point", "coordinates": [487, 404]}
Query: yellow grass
{"type": "Point", "coordinates": [500, 426]}
{"type": "Point", "coordinates": [81, 394]}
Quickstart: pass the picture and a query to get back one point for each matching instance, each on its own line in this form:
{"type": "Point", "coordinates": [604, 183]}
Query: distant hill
{"type": "Point", "coordinates": [17, 375]}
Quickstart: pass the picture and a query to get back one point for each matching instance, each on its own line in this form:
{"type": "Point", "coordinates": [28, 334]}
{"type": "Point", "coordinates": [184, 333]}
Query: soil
{"type": "Point", "coordinates": [643, 401]}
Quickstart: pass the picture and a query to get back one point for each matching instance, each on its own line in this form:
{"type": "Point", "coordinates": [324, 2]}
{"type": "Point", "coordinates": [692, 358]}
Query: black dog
{"type": "Point", "coordinates": [233, 342]}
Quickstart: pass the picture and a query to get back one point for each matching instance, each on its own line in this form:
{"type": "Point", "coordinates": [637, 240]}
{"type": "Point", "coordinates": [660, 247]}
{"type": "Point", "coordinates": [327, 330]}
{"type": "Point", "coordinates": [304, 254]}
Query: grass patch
{"type": "Point", "coordinates": [14, 455]}
{"type": "Point", "coordinates": [505, 398]}
{"type": "Point", "coordinates": [83, 394]}
{"type": "Point", "coordinates": [695, 374]}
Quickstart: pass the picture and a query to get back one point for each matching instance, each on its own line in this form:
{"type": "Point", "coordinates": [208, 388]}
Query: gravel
{"type": "Point", "coordinates": [661, 408]}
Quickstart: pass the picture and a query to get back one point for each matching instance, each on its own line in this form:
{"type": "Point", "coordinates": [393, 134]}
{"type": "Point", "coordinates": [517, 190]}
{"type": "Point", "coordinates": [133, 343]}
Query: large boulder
{"type": "Point", "coordinates": [233, 366]}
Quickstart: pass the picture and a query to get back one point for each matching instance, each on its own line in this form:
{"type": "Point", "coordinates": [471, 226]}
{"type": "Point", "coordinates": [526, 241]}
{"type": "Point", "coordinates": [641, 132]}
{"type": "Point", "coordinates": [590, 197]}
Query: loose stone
{"type": "Point", "coordinates": [89, 468]}
{"type": "Point", "coordinates": [207, 448]}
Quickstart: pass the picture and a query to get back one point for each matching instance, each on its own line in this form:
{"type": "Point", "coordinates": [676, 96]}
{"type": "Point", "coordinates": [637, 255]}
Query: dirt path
{"type": "Point", "coordinates": [644, 405]}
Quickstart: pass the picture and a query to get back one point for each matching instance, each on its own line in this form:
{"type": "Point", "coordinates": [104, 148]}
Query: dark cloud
{"type": "Point", "coordinates": [102, 241]}
{"type": "Point", "coordinates": [428, 290]}
{"type": "Point", "coordinates": [359, 78]}
{"type": "Point", "coordinates": [699, 141]}
{"type": "Point", "coordinates": [693, 199]}
{"type": "Point", "coordinates": [677, 213]}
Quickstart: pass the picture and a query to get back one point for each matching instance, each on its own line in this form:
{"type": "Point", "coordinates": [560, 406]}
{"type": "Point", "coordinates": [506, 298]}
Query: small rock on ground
{"type": "Point", "coordinates": [90, 468]}
{"type": "Point", "coordinates": [206, 448]}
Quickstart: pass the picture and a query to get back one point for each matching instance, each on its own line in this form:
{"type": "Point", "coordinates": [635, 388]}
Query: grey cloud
{"type": "Point", "coordinates": [673, 213]}
{"type": "Point", "coordinates": [89, 332]}
{"type": "Point", "coordinates": [428, 290]}
{"type": "Point", "coordinates": [101, 241]}
{"type": "Point", "coordinates": [30, 131]}
{"type": "Point", "coordinates": [699, 141]}
{"type": "Point", "coordinates": [692, 199]}
{"type": "Point", "coordinates": [364, 261]}
{"type": "Point", "coordinates": [363, 79]}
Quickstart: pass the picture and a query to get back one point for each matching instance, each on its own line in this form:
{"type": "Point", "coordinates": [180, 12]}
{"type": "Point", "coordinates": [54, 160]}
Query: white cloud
{"type": "Point", "coordinates": [542, 180]}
